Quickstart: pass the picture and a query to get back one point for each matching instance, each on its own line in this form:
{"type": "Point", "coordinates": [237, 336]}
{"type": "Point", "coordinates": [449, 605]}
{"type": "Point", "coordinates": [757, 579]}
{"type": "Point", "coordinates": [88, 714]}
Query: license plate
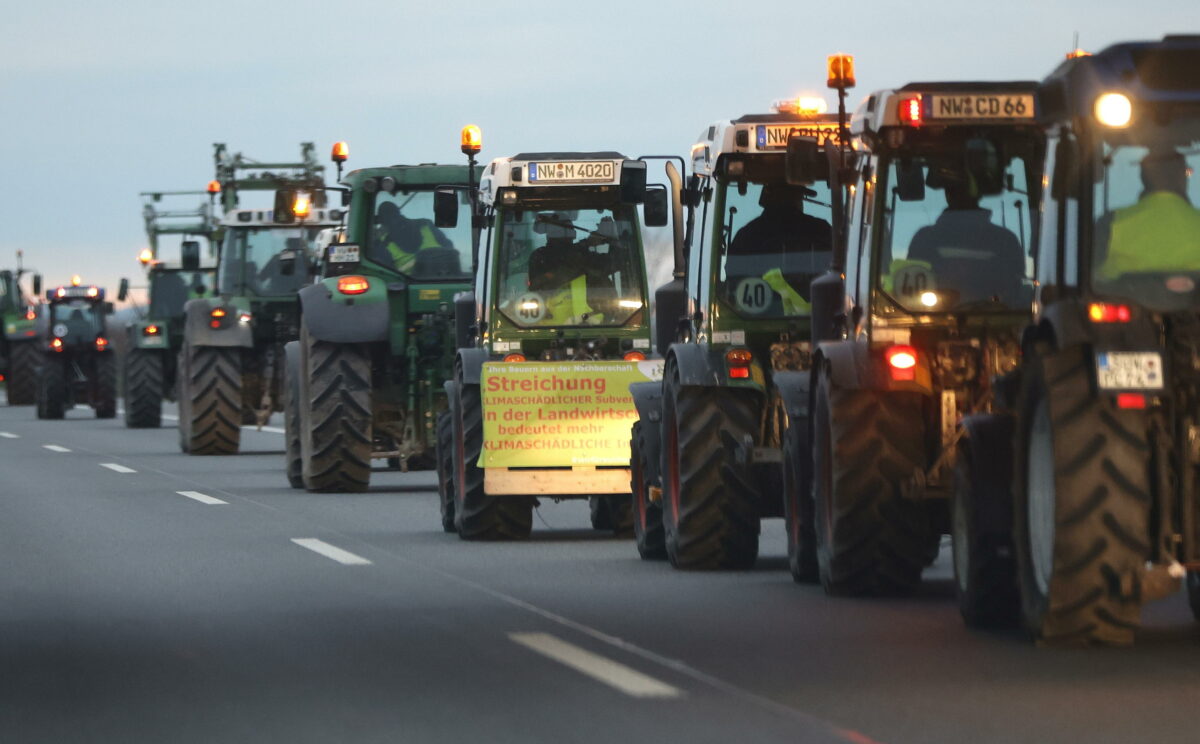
{"type": "Point", "coordinates": [775, 136]}
{"type": "Point", "coordinates": [981, 106]}
{"type": "Point", "coordinates": [1129, 370]}
{"type": "Point", "coordinates": [343, 253]}
{"type": "Point", "coordinates": [604, 171]}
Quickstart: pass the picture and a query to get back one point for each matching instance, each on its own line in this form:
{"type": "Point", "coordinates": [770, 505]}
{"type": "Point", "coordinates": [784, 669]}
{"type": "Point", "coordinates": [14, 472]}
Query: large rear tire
{"type": "Point", "coordinates": [647, 516]}
{"type": "Point", "coordinates": [143, 389]}
{"type": "Point", "coordinates": [710, 500]}
{"type": "Point", "coordinates": [104, 387]}
{"type": "Point", "coordinates": [445, 469]}
{"type": "Point", "coordinates": [985, 571]}
{"type": "Point", "coordinates": [1083, 503]}
{"type": "Point", "coordinates": [293, 461]}
{"type": "Point", "coordinates": [52, 388]}
{"type": "Point", "coordinates": [477, 515]}
{"type": "Point", "coordinates": [798, 504]}
{"type": "Point", "coordinates": [870, 539]}
{"type": "Point", "coordinates": [337, 456]}
{"type": "Point", "coordinates": [21, 385]}
{"type": "Point", "coordinates": [210, 420]}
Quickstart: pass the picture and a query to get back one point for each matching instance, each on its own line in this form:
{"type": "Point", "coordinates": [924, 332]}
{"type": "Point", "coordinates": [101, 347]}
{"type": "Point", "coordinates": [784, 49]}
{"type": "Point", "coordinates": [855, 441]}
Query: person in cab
{"type": "Point", "coordinates": [565, 270]}
{"type": "Point", "coordinates": [413, 246]}
{"type": "Point", "coordinates": [783, 233]}
{"type": "Point", "coordinates": [965, 250]}
{"type": "Point", "coordinates": [1161, 232]}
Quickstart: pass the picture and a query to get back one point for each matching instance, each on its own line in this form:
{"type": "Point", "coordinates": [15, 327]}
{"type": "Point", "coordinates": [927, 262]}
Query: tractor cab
{"type": "Point", "coordinates": [266, 257]}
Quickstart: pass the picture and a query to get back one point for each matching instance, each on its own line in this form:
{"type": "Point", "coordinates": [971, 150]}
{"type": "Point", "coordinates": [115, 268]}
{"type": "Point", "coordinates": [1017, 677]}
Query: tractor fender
{"type": "Point", "coordinates": [847, 362]}
{"type": "Point", "coordinates": [695, 365]}
{"type": "Point", "coordinates": [989, 438]}
{"type": "Point", "coordinates": [139, 340]}
{"type": "Point", "coordinates": [470, 363]}
{"type": "Point", "coordinates": [291, 355]}
{"type": "Point", "coordinates": [647, 399]}
{"type": "Point", "coordinates": [1062, 323]}
{"type": "Point", "coordinates": [198, 329]}
{"type": "Point", "coordinates": [348, 320]}
{"type": "Point", "coordinates": [794, 388]}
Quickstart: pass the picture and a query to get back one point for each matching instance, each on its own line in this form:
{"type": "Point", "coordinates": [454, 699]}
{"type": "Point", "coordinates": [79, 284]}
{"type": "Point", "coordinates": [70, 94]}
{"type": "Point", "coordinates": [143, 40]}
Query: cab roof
{"type": "Point", "coordinates": [596, 170]}
{"type": "Point", "coordinates": [324, 217]}
{"type": "Point", "coordinates": [419, 175]}
{"type": "Point", "coordinates": [947, 103]}
{"type": "Point", "coordinates": [756, 134]}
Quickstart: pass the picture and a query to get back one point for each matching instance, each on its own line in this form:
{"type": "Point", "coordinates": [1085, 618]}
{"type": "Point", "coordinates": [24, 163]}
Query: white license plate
{"type": "Point", "coordinates": [775, 136]}
{"type": "Point", "coordinates": [604, 171]}
{"type": "Point", "coordinates": [343, 253]}
{"type": "Point", "coordinates": [981, 106]}
{"type": "Point", "coordinates": [1129, 370]}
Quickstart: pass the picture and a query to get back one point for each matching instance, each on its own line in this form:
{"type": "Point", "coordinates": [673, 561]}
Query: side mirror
{"type": "Point", "coordinates": [287, 262]}
{"type": "Point", "coordinates": [37, 284]}
{"type": "Point", "coordinates": [123, 290]}
{"type": "Point", "coordinates": [803, 163]}
{"type": "Point", "coordinates": [982, 162]}
{"type": "Point", "coordinates": [633, 181]}
{"type": "Point", "coordinates": [346, 198]}
{"type": "Point", "coordinates": [189, 255]}
{"type": "Point", "coordinates": [445, 207]}
{"type": "Point", "coordinates": [108, 308]}
{"type": "Point", "coordinates": [284, 199]}
{"type": "Point", "coordinates": [910, 181]}
{"type": "Point", "coordinates": [656, 209]}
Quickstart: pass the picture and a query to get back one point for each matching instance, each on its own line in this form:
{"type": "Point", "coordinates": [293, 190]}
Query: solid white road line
{"type": "Point", "coordinates": [201, 497]}
{"type": "Point", "coordinates": [345, 557]}
{"type": "Point", "coordinates": [56, 448]}
{"type": "Point", "coordinates": [117, 468]}
{"type": "Point", "coordinates": [627, 680]}
{"type": "Point", "coordinates": [8, 435]}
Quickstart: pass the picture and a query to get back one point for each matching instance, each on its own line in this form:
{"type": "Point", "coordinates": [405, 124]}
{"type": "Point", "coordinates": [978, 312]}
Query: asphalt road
{"type": "Point", "coordinates": [131, 612]}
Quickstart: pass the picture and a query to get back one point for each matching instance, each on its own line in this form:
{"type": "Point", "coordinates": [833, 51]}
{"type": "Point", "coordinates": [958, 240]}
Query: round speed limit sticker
{"type": "Point", "coordinates": [753, 295]}
{"type": "Point", "coordinates": [60, 329]}
{"type": "Point", "coordinates": [530, 307]}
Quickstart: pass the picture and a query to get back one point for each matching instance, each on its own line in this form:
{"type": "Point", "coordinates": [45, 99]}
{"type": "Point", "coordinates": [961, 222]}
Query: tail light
{"type": "Point", "coordinates": [101, 343]}
{"type": "Point", "coordinates": [514, 358]}
{"type": "Point", "coordinates": [635, 356]}
{"type": "Point", "coordinates": [56, 344]}
{"type": "Point", "coordinates": [1107, 312]}
{"type": "Point", "coordinates": [151, 330]}
{"type": "Point", "coordinates": [1131, 400]}
{"type": "Point", "coordinates": [218, 312]}
{"type": "Point", "coordinates": [739, 363]}
{"type": "Point", "coordinates": [353, 284]}
{"type": "Point", "coordinates": [909, 111]}
{"type": "Point", "coordinates": [902, 362]}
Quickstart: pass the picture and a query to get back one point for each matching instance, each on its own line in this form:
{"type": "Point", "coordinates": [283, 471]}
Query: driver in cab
{"type": "Point", "coordinates": [1161, 232]}
{"type": "Point", "coordinates": [965, 250]}
{"type": "Point", "coordinates": [565, 270]}
{"type": "Point", "coordinates": [784, 232]}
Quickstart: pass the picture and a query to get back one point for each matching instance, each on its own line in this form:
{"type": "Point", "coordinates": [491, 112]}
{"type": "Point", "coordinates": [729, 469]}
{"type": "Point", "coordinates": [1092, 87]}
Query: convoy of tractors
{"type": "Point", "coordinates": [969, 309]}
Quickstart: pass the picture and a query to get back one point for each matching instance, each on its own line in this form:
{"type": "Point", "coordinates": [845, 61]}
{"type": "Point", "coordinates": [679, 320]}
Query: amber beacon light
{"type": "Point", "coordinates": [840, 71]}
{"type": "Point", "coordinates": [472, 140]}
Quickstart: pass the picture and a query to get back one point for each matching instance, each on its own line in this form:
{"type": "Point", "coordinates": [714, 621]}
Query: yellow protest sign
{"type": "Point", "coordinates": [558, 414]}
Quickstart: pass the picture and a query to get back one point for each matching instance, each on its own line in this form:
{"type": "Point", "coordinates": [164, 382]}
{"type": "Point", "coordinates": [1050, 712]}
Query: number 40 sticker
{"type": "Point", "coordinates": [912, 280]}
{"type": "Point", "coordinates": [753, 295]}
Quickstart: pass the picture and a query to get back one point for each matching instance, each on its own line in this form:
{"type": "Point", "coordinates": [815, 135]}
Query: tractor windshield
{"type": "Point", "coordinates": [250, 259]}
{"type": "Point", "coordinates": [169, 290]}
{"type": "Point", "coordinates": [569, 267]}
{"type": "Point", "coordinates": [953, 226]}
{"type": "Point", "coordinates": [75, 321]}
{"type": "Point", "coordinates": [404, 240]}
{"type": "Point", "coordinates": [775, 238]}
{"type": "Point", "coordinates": [1147, 226]}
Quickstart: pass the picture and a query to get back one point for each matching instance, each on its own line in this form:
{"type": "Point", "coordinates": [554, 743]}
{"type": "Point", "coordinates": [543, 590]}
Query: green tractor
{"type": "Point", "coordinates": [76, 365]}
{"type": "Point", "coordinates": [231, 365]}
{"type": "Point", "coordinates": [19, 349]}
{"type": "Point", "coordinates": [365, 380]}
{"type": "Point", "coordinates": [734, 329]}
{"type": "Point", "coordinates": [555, 331]}
{"type": "Point", "coordinates": [156, 336]}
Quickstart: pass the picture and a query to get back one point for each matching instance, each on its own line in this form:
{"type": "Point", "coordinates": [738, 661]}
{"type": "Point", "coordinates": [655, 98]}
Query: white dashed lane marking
{"type": "Point", "coordinates": [56, 448]}
{"type": "Point", "coordinates": [332, 552]}
{"type": "Point", "coordinates": [201, 497]}
{"type": "Point", "coordinates": [626, 679]}
{"type": "Point", "coordinates": [8, 435]}
{"type": "Point", "coordinates": [117, 468]}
